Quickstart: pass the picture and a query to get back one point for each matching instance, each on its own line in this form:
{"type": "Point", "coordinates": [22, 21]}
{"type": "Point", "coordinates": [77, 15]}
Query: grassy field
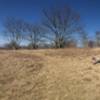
{"type": "Point", "coordinates": [65, 74]}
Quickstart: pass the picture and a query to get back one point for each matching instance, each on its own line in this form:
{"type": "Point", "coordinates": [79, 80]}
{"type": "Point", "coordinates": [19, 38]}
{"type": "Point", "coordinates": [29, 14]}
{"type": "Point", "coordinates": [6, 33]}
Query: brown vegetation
{"type": "Point", "coordinates": [64, 74]}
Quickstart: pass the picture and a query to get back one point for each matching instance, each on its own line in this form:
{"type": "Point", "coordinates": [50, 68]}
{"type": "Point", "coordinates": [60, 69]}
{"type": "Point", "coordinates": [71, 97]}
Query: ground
{"type": "Point", "coordinates": [64, 74]}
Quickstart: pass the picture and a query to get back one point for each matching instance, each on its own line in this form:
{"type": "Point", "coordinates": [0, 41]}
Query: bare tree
{"type": "Point", "coordinates": [98, 38]}
{"type": "Point", "coordinates": [34, 35]}
{"type": "Point", "coordinates": [13, 30]}
{"type": "Point", "coordinates": [84, 38]}
{"type": "Point", "coordinates": [62, 23]}
{"type": "Point", "coordinates": [91, 43]}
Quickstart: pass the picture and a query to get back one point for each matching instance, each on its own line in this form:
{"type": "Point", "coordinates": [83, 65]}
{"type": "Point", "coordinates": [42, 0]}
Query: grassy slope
{"type": "Point", "coordinates": [49, 75]}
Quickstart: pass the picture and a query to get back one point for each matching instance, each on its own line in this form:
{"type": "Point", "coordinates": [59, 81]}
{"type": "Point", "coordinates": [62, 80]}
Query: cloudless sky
{"type": "Point", "coordinates": [30, 10]}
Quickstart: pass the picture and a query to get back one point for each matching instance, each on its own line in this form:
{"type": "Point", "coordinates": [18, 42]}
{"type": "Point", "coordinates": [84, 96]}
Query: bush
{"type": "Point", "coordinates": [12, 45]}
{"type": "Point", "coordinates": [32, 46]}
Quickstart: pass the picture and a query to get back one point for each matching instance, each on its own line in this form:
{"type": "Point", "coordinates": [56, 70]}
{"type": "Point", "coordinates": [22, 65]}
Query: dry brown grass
{"type": "Point", "coordinates": [64, 74]}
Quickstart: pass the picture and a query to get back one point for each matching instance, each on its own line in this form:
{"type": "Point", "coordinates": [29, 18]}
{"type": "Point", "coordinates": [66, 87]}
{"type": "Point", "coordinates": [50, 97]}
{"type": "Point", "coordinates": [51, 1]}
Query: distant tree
{"type": "Point", "coordinates": [71, 44]}
{"type": "Point", "coordinates": [13, 29]}
{"type": "Point", "coordinates": [34, 35]}
{"type": "Point", "coordinates": [98, 38]}
{"type": "Point", "coordinates": [62, 23]}
{"type": "Point", "coordinates": [91, 44]}
{"type": "Point", "coordinates": [84, 38]}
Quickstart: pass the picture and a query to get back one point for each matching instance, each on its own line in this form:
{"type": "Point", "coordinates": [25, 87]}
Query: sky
{"type": "Point", "coordinates": [31, 10]}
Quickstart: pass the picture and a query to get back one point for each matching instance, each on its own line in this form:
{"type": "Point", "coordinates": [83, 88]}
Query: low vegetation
{"type": "Point", "coordinates": [64, 74]}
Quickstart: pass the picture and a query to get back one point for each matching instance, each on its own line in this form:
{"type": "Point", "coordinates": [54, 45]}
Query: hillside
{"type": "Point", "coordinates": [65, 74]}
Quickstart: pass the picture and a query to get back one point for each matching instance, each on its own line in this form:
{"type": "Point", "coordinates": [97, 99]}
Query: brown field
{"type": "Point", "coordinates": [65, 74]}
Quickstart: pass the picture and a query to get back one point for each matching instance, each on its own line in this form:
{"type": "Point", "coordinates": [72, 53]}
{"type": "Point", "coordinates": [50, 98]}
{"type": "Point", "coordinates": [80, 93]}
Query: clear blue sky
{"type": "Point", "coordinates": [30, 10]}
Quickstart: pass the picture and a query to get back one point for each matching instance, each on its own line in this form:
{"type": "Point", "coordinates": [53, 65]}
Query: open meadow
{"type": "Point", "coordinates": [49, 74]}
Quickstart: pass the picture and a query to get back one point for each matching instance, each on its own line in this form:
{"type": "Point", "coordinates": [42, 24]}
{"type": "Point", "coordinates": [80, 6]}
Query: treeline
{"type": "Point", "coordinates": [60, 28]}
